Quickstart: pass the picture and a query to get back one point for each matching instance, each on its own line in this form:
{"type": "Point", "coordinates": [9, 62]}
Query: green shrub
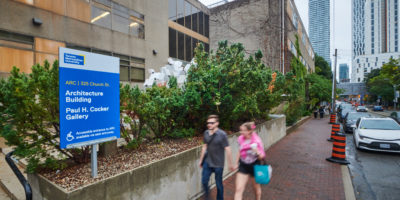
{"type": "Point", "coordinates": [29, 117]}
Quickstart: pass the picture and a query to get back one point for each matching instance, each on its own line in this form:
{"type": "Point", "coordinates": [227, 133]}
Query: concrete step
{"type": "Point", "coordinates": [9, 182]}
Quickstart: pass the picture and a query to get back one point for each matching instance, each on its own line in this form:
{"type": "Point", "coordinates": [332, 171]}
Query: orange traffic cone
{"type": "Point", "coordinates": [335, 129]}
{"type": "Point", "coordinates": [333, 119]}
{"type": "Point", "coordinates": [339, 150]}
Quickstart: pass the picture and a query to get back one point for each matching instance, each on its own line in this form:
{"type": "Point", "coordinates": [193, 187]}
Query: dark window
{"type": "Point", "coordinates": [206, 25]}
{"type": "Point", "coordinates": [188, 15]}
{"type": "Point", "coordinates": [180, 12]}
{"type": "Point", "coordinates": [188, 48]}
{"type": "Point", "coordinates": [181, 46]}
{"type": "Point", "coordinates": [123, 67]}
{"type": "Point", "coordinates": [172, 43]}
{"type": "Point", "coordinates": [172, 10]}
{"type": "Point", "coordinates": [195, 19]}
{"type": "Point", "coordinates": [201, 23]}
{"type": "Point", "coordinates": [107, 53]}
{"type": "Point", "coordinates": [16, 40]}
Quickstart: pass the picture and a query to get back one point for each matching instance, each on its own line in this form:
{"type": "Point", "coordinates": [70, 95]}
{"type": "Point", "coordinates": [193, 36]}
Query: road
{"type": "Point", "coordinates": [375, 175]}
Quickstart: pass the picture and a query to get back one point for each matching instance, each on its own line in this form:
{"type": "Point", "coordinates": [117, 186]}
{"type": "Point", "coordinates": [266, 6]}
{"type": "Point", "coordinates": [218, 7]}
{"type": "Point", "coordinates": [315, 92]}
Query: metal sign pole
{"type": "Point", "coordinates": [94, 161]}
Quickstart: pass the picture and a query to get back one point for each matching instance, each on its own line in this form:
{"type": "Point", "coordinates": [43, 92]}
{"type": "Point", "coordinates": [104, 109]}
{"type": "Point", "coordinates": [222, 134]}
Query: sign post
{"type": "Point", "coordinates": [89, 100]}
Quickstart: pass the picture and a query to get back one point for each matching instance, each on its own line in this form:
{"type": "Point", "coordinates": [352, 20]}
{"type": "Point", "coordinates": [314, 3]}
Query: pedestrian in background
{"type": "Point", "coordinates": [251, 151]}
{"type": "Point", "coordinates": [212, 157]}
{"type": "Point", "coordinates": [321, 112]}
{"type": "Point", "coordinates": [315, 112]}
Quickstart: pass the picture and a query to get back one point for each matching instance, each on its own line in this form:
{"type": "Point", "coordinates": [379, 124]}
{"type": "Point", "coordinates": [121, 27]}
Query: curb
{"type": "Point", "coordinates": [347, 183]}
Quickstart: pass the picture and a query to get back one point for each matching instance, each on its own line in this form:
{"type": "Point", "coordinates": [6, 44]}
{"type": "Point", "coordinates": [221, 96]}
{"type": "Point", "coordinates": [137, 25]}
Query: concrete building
{"type": "Point", "coordinates": [353, 91]}
{"type": "Point", "coordinates": [375, 35]}
{"type": "Point", "coordinates": [358, 27]}
{"type": "Point", "coordinates": [319, 27]}
{"type": "Point", "coordinates": [344, 73]}
{"type": "Point", "coordinates": [142, 33]}
{"type": "Point", "coordinates": [258, 25]}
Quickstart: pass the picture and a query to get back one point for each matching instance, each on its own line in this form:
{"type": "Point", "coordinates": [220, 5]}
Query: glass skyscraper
{"type": "Point", "coordinates": [343, 73]}
{"type": "Point", "coordinates": [319, 27]}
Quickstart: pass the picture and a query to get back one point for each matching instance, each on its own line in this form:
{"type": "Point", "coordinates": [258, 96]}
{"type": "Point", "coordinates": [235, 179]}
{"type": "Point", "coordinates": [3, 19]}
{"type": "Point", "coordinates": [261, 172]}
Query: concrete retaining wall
{"type": "Point", "coordinates": [175, 177]}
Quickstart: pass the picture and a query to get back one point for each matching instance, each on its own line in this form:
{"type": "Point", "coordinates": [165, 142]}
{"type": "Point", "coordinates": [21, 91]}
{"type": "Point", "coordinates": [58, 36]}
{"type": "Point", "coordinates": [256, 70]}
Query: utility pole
{"type": "Point", "coordinates": [283, 37]}
{"type": "Point", "coordinates": [395, 96]}
{"type": "Point", "coordinates": [334, 82]}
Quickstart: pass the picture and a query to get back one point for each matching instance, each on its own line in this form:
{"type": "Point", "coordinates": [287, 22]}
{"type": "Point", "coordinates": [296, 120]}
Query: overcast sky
{"type": "Point", "coordinates": [340, 31]}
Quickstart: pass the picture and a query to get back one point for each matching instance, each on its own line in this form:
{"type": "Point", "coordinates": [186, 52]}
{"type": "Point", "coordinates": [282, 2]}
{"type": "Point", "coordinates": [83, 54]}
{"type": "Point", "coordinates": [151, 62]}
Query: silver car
{"type": "Point", "coordinates": [377, 134]}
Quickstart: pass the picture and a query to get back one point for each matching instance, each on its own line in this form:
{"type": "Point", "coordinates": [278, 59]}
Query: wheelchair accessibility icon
{"type": "Point", "coordinates": [70, 137]}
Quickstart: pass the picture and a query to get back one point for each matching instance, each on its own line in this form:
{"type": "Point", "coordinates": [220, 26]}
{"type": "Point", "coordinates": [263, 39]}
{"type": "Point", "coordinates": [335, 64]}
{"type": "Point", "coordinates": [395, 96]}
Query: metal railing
{"type": "Point", "coordinates": [21, 178]}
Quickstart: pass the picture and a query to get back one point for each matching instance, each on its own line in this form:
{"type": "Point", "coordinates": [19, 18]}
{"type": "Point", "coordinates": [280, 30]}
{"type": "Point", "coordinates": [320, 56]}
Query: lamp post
{"type": "Point", "coordinates": [395, 96]}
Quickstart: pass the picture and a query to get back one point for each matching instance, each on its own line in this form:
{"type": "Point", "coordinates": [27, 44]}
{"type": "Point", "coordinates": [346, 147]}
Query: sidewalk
{"type": "Point", "coordinates": [300, 170]}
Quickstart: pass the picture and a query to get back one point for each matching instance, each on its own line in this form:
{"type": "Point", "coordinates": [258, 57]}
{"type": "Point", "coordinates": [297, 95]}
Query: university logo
{"type": "Point", "coordinates": [74, 59]}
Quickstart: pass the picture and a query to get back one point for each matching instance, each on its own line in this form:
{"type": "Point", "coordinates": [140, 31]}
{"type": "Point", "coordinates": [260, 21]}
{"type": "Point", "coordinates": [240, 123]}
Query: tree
{"type": "Point", "coordinates": [391, 70]}
{"type": "Point", "coordinates": [320, 89]}
{"type": "Point", "coordinates": [322, 67]}
{"type": "Point", "coordinates": [374, 73]}
{"type": "Point", "coordinates": [381, 86]}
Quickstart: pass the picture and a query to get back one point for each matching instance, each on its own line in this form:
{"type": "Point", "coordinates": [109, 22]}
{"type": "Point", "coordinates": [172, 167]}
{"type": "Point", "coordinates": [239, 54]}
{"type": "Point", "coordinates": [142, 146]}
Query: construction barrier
{"type": "Point", "coordinates": [333, 119]}
{"type": "Point", "coordinates": [335, 129]}
{"type": "Point", "coordinates": [339, 149]}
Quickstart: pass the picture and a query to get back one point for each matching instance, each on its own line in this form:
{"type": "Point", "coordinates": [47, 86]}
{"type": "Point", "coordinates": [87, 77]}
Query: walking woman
{"type": "Point", "coordinates": [251, 152]}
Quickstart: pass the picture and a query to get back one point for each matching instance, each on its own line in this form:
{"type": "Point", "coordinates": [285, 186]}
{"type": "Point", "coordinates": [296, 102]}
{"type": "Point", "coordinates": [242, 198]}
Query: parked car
{"type": "Point", "coordinates": [343, 114]}
{"type": "Point", "coordinates": [362, 109]}
{"type": "Point", "coordinates": [377, 108]}
{"type": "Point", "coordinates": [395, 116]}
{"type": "Point", "coordinates": [349, 122]}
{"type": "Point", "coordinates": [377, 134]}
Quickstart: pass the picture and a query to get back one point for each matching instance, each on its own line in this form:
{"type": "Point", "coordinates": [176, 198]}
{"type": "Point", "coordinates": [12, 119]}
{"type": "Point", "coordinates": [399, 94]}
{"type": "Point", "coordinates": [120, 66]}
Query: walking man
{"type": "Point", "coordinates": [212, 156]}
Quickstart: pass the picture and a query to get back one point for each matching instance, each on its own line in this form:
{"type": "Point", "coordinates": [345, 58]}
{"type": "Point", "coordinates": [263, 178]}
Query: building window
{"type": "Point", "coordinates": [101, 16]}
{"type": "Point", "coordinates": [114, 16]}
{"type": "Point", "coordinates": [172, 43]}
{"type": "Point", "coordinates": [294, 20]}
{"type": "Point", "coordinates": [131, 68]}
{"type": "Point", "coordinates": [358, 79]}
{"type": "Point", "coordinates": [357, 70]}
{"type": "Point", "coordinates": [293, 48]}
{"type": "Point", "coordinates": [181, 46]}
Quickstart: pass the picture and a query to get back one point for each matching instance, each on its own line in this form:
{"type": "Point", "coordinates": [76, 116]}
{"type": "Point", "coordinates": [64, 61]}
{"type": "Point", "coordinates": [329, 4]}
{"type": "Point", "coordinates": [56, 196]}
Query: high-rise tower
{"type": "Point", "coordinates": [319, 27]}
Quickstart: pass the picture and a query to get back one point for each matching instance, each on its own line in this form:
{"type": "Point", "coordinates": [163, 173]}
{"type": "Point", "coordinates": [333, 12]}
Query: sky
{"type": "Point", "coordinates": [340, 30]}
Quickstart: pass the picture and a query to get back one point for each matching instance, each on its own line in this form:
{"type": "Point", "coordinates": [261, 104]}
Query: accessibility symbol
{"type": "Point", "coordinates": [70, 137]}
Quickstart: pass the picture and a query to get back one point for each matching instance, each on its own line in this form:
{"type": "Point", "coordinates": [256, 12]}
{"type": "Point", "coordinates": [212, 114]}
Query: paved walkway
{"type": "Point", "coordinates": [300, 170]}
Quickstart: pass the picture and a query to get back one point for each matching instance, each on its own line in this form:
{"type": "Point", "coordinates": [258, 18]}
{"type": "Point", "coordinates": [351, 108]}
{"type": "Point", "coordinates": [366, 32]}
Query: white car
{"type": "Point", "coordinates": [377, 134]}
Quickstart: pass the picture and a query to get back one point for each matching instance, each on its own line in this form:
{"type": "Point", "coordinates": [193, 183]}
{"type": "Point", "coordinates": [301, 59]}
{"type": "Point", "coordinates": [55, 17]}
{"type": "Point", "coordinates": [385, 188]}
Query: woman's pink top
{"type": "Point", "coordinates": [247, 155]}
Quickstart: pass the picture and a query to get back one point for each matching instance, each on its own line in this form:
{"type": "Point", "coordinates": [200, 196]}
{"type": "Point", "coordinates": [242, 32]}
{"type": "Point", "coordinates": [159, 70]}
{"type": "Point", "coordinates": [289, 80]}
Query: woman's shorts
{"type": "Point", "coordinates": [247, 168]}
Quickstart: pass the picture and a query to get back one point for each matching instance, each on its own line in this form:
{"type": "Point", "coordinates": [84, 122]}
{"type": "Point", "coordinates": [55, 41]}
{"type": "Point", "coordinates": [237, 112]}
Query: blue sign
{"type": "Point", "coordinates": [89, 98]}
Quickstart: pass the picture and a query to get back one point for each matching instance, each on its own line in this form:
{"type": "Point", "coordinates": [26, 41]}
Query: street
{"type": "Point", "coordinates": [375, 175]}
